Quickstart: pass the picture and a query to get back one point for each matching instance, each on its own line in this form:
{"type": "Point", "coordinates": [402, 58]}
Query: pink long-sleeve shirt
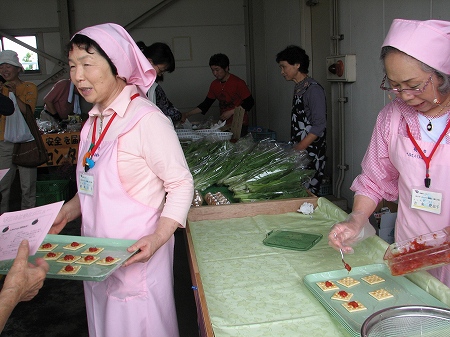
{"type": "Point", "coordinates": [151, 163]}
{"type": "Point", "coordinates": [379, 177]}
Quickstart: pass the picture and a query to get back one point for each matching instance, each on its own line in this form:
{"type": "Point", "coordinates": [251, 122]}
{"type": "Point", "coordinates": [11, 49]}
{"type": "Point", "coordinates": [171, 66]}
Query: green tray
{"type": "Point", "coordinates": [405, 293]}
{"type": "Point", "coordinates": [291, 240]}
{"type": "Point", "coordinates": [94, 272]}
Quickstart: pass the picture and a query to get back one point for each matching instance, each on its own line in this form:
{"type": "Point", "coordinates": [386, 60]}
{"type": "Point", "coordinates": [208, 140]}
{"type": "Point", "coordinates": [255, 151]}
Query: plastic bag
{"type": "Point", "coordinates": [16, 128]}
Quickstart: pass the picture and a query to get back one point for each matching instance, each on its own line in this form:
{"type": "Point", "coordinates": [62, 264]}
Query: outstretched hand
{"type": "Point", "coordinates": [25, 279]}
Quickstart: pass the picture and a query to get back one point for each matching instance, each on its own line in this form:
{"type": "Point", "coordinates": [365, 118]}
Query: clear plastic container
{"type": "Point", "coordinates": [420, 253]}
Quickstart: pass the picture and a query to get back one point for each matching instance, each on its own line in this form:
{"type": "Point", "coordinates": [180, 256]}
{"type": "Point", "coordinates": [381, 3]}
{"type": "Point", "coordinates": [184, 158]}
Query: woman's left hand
{"type": "Point", "coordinates": [226, 115]}
{"type": "Point", "coordinates": [147, 246]}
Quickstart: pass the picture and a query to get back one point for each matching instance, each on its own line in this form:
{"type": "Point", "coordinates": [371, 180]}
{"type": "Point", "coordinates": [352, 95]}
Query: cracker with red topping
{"type": "Point", "coordinates": [327, 285]}
{"type": "Point", "coordinates": [74, 246]}
{"type": "Point", "coordinates": [53, 256]}
{"type": "Point", "coordinates": [69, 270]}
{"type": "Point", "coordinates": [381, 294]}
{"type": "Point", "coordinates": [354, 306]}
{"type": "Point", "coordinates": [348, 282]}
{"type": "Point", "coordinates": [342, 295]}
{"type": "Point", "coordinates": [47, 247]}
{"type": "Point", "coordinates": [88, 259]}
{"type": "Point", "coordinates": [107, 261]}
{"type": "Point", "coordinates": [93, 251]}
{"type": "Point", "coordinates": [373, 279]}
{"type": "Point", "coordinates": [68, 258]}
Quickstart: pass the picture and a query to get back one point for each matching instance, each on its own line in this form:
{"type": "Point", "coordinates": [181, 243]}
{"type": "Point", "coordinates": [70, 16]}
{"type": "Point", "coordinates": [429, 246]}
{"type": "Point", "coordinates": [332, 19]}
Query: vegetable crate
{"type": "Point", "coordinates": [49, 191]}
{"type": "Point", "coordinates": [259, 133]}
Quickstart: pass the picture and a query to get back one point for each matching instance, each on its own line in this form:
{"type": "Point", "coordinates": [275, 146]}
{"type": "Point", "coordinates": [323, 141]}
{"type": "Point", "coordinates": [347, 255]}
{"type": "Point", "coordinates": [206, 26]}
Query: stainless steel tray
{"type": "Point", "coordinates": [116, 248]}
{"type": "Point", "coordinates": [405, 293]}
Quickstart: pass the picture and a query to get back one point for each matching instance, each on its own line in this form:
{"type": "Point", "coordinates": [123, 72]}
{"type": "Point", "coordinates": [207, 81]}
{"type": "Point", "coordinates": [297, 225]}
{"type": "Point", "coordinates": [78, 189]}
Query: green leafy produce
{"type": "Point", "coordinates": [253, 171]}
{"type": "Point", "coordinates": [277, 168]}
{"type": "Point", "coordinates": [261, 156]}
{"type": "Point", "coordinates": [252, 197]}
{"type": "Point", "coordinates": [211, 169]}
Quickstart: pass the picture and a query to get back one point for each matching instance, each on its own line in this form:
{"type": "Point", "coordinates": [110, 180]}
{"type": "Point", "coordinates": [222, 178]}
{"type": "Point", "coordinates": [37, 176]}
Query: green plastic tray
{"type": "Point", "coordinates": [405, 293]}
{"type": "Point", "coordinates": [94, 272]}
{"type": "Point", "coordinates": [291, 239]}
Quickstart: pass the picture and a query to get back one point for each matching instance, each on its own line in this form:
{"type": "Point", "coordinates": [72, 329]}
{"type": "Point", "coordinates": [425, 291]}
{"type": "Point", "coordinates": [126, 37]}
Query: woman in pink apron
{"type": "Point", "coordinates": [408, 158]}
{"type": "Point", "coordinates": [133, 183]}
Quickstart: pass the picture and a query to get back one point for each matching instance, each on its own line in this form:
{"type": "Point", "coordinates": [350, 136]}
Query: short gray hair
{"type": "Point", "coordinates": [444, 79]}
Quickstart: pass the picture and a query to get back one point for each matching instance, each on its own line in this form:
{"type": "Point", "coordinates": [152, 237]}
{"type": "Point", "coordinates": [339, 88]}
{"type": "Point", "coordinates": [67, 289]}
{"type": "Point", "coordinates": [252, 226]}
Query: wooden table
{"type": "Point", "coordinates": [62, 148]}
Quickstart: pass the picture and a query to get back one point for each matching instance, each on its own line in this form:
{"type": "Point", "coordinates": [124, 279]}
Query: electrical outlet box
{"type": "Point", "coordinates": [341, 68]}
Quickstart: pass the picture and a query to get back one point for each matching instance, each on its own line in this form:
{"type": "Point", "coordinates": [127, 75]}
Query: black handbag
{"type": "Point", "coordinates": [32, 153]}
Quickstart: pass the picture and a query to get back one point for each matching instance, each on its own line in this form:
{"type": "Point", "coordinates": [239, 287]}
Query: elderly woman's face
{"type": "Point", "coordinates": [405, 72]}
{"type": "Point", "coordinates": [92, 76]}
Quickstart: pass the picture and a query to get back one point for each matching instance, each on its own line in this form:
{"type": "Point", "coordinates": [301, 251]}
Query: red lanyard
{"type": "Point", "coordinates": [88, 163]}
{"type": "Point", "coordinates": [426, 159]}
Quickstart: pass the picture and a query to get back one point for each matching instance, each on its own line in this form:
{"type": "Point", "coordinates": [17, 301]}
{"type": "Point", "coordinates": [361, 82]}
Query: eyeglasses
{"type": "Point", "coordinates": [410, 91]}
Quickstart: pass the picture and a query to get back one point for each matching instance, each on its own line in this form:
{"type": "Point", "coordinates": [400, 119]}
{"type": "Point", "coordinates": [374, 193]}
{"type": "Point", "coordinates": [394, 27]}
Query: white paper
{"type": "Point", "coordinates": [31, 224]}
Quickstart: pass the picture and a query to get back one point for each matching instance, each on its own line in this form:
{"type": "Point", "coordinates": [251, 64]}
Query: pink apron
{"type": "Point", "coordinates": [137, 300]}
{"type": "Point", "coordinates": [412, 222]}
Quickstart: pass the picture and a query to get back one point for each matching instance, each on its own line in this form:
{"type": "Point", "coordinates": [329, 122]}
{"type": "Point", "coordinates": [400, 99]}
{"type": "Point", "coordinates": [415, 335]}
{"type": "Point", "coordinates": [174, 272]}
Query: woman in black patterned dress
{"type": "Point", "coordinates": [308, 121]}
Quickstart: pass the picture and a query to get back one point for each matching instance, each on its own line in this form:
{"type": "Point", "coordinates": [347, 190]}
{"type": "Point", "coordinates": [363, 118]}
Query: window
{"type": "Point", "coordinates": [28, 58]}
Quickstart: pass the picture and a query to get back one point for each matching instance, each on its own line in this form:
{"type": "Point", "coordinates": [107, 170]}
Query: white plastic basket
{"type": "Point", "coordinates": [187, 135]}
{"type": "Point", "coordinates": [183, 131]}
{"type": "Point", "coordinates": [196, 137]}
{"type": "Point", "coordinates": [207, 131]}
{"type": "Point", "coordinates": [224, 135]}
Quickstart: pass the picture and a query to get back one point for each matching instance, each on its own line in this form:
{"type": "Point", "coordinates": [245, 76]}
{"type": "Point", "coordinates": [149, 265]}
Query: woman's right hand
{"type": "Point", "coordinates": [345, 234]}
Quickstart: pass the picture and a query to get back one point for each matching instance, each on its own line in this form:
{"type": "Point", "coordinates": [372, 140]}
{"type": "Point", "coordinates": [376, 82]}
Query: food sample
{"type": "Point", "coordinates": [107, 261]}
{"type": "Point", "coordinates": [88, 259]}
{"type": "Point", "coordinates": [373, 279]}
{"type": "Point", "coordinates": [354, 306]}
{"type": "Point", "coordinates": [69, 270]}
{"type": "Point", "coordinates": [381, 294]}
{"type": "Point", "coordinates": [93, 250]}
{"type": "Point", "coordinates": [327, 285]}
{"type": "Point", "coordinates": [342, 295]}
{"type": "Point", "coordinates": [74, 245]}
{"type": "Point", "coordinates": [68, 258]}
{"type": "Point", "coordinates": [47, 247]}
{"type": "Point", "coordinates": [420, 253]}
{"type": "Point", "coordinates": [348, 282]}
{"type": "Point", "coordinates": [347, 266]}
{"type": "Point", "coordinates": [53, 255]}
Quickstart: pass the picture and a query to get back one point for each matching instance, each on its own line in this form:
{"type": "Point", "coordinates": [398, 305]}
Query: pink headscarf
{"type": "Point", "coordinates": [426, 41]}
{"type": "Point", "coordinates": [129, 60]}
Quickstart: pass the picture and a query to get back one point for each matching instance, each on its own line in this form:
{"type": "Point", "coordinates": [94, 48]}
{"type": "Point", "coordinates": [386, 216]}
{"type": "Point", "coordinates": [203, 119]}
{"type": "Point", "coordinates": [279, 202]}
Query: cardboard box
{"type": "Point", "coordinates": [383, 219]}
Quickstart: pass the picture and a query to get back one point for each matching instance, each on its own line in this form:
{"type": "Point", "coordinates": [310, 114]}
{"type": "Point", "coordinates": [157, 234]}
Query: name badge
{"type": "Point", "coordinates": [86, 184]}
{"type": "Point", "coordinates": [426, 201]}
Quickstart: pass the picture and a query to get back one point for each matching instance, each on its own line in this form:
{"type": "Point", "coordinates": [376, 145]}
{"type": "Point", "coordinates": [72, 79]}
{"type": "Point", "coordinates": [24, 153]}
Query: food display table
{"type": "Point", "coordinates": [245, 288]}
{"type": "Point", "coordinates": [62, 148]}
